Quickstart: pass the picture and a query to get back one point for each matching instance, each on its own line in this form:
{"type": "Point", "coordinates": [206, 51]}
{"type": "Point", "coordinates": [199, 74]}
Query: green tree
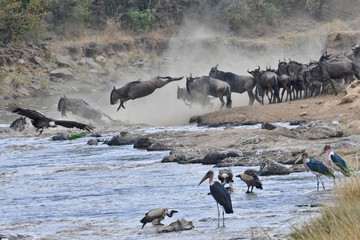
{"type": "Point", "coordinates": [20, 19]}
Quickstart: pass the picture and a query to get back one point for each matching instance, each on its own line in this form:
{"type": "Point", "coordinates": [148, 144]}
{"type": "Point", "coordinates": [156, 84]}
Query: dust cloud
{"type": "Point", "coordinates": [194, 50]}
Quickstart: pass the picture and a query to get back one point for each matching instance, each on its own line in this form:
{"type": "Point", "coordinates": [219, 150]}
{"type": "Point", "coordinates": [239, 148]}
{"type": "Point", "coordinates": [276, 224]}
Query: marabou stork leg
{"type": "Point", "coordinates": [322, 183]}
{"type": "Point", "coordinates": [317, 179]}
{"type": "Point", "coordinates": [223, 217]}
{"type": "Point", "coordinates": [217, 204]}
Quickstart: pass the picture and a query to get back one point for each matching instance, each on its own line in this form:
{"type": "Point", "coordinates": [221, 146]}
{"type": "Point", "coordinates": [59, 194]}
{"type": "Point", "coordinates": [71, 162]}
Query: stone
{"type": "Point", "coordinates": [64, 61]}
{"type": "Point", "coordinates": [61, 137]}
{"type": "Point", "coordinates": [270, 167]}
{"type": "Point", "coordinates": [93, 142]}
{"type": "Point", "coordinates": [218, 156]}
{"type": "Point", "coordinates": [268, 126]}
{"type": "Point", "coordinates": [61, 73]}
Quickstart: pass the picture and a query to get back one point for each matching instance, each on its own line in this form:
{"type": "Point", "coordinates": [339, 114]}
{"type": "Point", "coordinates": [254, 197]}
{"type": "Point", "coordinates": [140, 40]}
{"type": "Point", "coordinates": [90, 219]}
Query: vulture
{"type": "Point", "coordinates": [39, 121]}
{"type": "Point", "coordinates": [156, 215]}
{"type": "Point", "coordinates": [251, 179]}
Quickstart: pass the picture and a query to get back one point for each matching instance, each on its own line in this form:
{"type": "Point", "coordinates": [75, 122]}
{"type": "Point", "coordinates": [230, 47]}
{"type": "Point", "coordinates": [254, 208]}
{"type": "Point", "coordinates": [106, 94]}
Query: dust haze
{"type": "Point", "coordinates": [194, 50]}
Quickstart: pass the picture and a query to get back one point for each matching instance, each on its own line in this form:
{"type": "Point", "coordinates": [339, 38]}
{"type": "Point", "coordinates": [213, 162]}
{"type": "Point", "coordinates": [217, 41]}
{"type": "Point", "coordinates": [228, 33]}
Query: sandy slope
{"type": "Point", "coordinates": [344, 108]}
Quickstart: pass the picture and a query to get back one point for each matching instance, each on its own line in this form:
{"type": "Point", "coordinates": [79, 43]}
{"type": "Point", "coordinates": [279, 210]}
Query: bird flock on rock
{"type": "Point", "coordinates": [221, 194]}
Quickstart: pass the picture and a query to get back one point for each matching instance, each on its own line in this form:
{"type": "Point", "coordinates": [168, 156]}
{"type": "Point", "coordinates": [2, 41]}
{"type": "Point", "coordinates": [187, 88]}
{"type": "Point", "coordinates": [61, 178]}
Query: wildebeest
{"type": "Point", "coordinates": [210, 86]}
{"type": "Point", "coordinates": [266, 82]}
{"type": "Point", "coordinates": [335, 68]}
{"type": "Point", "coordinates": [195, 97]}
{"type": "Point", "coordinates": [284, 80]}
{"type": "Point", "coordinates": [138, 89]}
{"type": "Point", "coordinates": [39, 121]}
{"type": "Point", "coordinates": [297, 72]}
{"type": "Point", "coordinates": [80, 108]}
{"type": "Point", "coordinates": [238, 83]}
{"type": "Point", "coordinates": [18, 124]}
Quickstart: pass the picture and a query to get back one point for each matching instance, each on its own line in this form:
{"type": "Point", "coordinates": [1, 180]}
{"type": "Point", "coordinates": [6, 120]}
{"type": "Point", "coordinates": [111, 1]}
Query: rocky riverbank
{"type": "Point", "coordinates": [323, 120]}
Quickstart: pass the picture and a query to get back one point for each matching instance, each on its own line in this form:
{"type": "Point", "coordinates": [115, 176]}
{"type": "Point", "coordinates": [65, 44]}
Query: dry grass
{"type": "Point", "coordinates": [339, 220]}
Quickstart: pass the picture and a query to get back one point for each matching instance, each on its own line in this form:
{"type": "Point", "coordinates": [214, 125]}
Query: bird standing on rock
{"type": "Point", "coordinates": [156, 215]}
{"type": "Point", "coordinates": [251, 179]}
{"type": "Point", "coordinates": [316, 167]}
{"type": "Point", "coordinates": [335, 161]}
{"type": "Point", "coordinates": [220, 194]}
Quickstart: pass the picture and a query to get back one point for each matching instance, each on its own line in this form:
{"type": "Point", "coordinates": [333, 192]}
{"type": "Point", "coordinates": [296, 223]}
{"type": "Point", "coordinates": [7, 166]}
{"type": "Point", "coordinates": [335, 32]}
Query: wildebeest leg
{"type": "Point", "coordinates": [222, 101]}
{"type": "Point", "coordinates": [121, 105]}
{"type": "Point", "coordinates": [282, 95]}
{"type": "Point", "coordinates": [267, 94]}
{"type": "Point", "coordinates": [251, 97]}
{"type": "Point", "coordinates": [333, 86]}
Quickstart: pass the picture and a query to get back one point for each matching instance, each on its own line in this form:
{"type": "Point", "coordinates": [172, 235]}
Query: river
{"type": "Point", "coordinates": [70, 190]}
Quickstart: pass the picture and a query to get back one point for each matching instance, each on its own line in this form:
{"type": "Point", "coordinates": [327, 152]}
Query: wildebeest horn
{"type": "Point", "coordinates": [248, 71]}
{"type": "Point", "coordinates": [114, 87]}
{"type": "Point", "coordinates": [190, 75]}
{"type": "Point", "coordinates": [216, 65]}
{"type": "Point", "coordinates": [258, 67]}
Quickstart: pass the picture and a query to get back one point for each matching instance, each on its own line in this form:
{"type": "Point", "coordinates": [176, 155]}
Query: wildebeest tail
{"type": "Point", "coordinates": [257, 94]}
{"type": "Point", "coordinates": [228, 98]}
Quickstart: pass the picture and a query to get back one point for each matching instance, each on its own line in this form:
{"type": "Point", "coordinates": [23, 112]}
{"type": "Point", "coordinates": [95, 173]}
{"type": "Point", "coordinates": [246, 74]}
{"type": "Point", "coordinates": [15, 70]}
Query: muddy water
{"type": "Point", "coordinates": [69, 190]}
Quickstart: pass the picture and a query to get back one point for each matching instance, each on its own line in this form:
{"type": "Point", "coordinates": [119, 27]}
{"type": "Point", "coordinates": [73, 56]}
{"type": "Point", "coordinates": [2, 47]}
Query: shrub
{"type": "Point", "coordinates": [20, 19]}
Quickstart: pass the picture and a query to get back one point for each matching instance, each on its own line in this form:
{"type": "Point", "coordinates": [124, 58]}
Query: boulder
{"type": "Point", "coordinates": [142, 143]}
{"type": "Point", "coordinates": [93, 142]}
{"type": "Point", "coordinates": [218, 156]}
{"type": "Point", "coordinates": [340, 43]}
{"type": "Point", "coordinates": [270, 167]}
{"type": "Point", "coordinates": [64, 61]}
{"type": "Point", "coordinates": [322, 130]}
{"type": "Point", "coordinates": [61, 73]}
{"type": "Point", "coordinates": [61, 136]}
{"type": "Point", "coordinates": [268, 126]}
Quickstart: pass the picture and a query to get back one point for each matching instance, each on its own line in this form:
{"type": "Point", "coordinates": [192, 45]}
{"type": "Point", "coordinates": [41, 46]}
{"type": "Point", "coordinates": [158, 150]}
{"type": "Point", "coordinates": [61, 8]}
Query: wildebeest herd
{"type": "Point", "coordinates": [296, 79]}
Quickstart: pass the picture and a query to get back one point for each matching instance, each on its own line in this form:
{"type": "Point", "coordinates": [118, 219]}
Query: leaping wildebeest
{"type": "Point", "coordinates": [210, 86]}
{"type": "Point", "coordinates": [39, 121]}
{"type": "Point", "coordinates": [80, 108]}
{"type": "Point", "coordinates": [238, 83]}
{"type": "Point", "coordinates": [138, 89]}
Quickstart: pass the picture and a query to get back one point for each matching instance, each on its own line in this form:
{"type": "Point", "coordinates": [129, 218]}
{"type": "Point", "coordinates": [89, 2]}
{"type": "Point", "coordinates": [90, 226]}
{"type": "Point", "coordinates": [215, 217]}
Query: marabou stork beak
{"type": "Point", "coordinates": [204, 178]}
{"type": "Point", "coordinates": [322, 152]}
{"type": "Point", "coordinates": [297, 160]}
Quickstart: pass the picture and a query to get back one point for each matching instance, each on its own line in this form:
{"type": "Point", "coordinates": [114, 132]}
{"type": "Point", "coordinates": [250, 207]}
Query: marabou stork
{"type": "Point", "coordinates": [335, 161]}
{"type": "Point", "coordinates": [220, 194]}
{"type": "Point", "coordinates": [226, 176]}
{"type": "Point", "coordinates": [156, 215]}
{"type": "Point", "coordinates": [251, 179]}
{"type": "Point", "coordinates": [316, 167]}
{"type": "Point", "coordinates": [39, 121]}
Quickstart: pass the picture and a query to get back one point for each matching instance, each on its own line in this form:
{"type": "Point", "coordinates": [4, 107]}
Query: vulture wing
{"type": "Point", "coordinates": [32, 114]}
{"type": "Point", "coordinates": [73, 124]}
